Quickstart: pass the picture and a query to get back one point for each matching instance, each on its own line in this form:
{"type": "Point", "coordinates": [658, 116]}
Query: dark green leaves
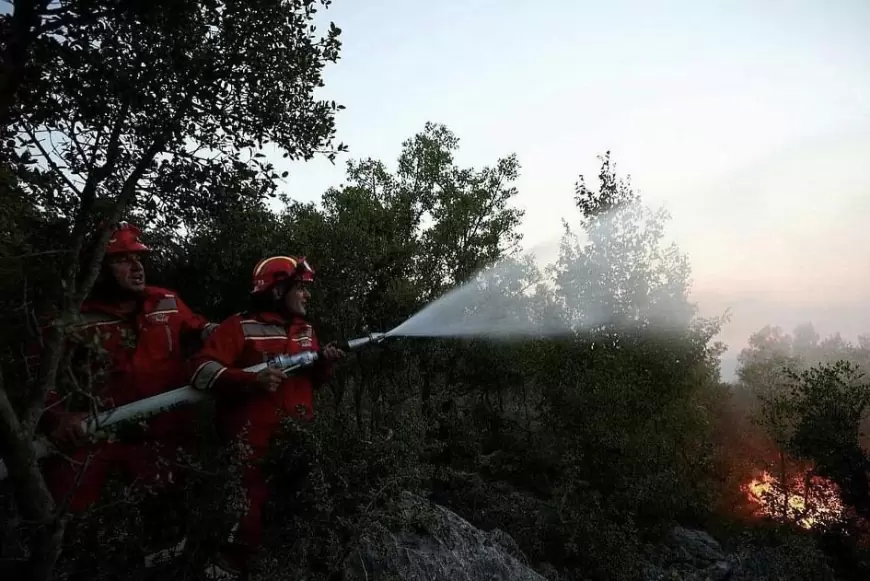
{"type": "Point", "coordinates": [172, 95]}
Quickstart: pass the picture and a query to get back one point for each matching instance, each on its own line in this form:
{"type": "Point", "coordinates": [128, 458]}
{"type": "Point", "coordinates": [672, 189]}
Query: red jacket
{"type": "Point", "coordinates": [142, 351]}
{"type": "Point", "coordinates": [247, 339]}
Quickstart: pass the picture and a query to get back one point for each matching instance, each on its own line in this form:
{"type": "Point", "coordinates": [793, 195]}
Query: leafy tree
{"type": "Point", "coordinates": [623, 401]}
{"type": "Point", "coordinates": [768, 364]}
{"type": "Point", "coordinates": [416, 233]}
{"type": "Point", "coordinates": [212, 264]}
{"type": "Point", "coordinates": [157, 110]}
{"type": "Point", "coordinates": [621, 273]}
{"type": "Point", "coordinates": [829, 403]}
{"type": "Point", "coordinates": [811, 400]}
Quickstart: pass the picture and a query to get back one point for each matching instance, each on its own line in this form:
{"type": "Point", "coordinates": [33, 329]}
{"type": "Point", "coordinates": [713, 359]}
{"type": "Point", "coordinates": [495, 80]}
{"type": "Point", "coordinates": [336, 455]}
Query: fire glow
{"type": "Point", "coordinates": [808, 501]}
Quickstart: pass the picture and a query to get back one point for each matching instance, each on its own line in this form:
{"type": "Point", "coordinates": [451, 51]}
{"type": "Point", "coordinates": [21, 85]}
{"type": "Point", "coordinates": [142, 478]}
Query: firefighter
{"type": "Point", "coordinates": [139, 331]}
{"type": "Point", "coordinates": [250, 405]}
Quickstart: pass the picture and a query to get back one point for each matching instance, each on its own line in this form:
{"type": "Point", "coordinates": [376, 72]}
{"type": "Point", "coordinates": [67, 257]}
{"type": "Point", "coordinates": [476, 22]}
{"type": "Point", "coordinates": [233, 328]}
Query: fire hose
{"type": "Point", "coordinates": [154, 405]}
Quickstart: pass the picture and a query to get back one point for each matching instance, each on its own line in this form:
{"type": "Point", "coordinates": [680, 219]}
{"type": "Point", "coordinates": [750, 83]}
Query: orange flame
{"type": "Point", "coordinates": [808, 501]}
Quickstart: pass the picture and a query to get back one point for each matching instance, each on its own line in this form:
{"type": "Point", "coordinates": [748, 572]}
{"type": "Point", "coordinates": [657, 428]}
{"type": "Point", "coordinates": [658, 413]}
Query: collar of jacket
{"type": "Point", "coordinates": [278, 319]}
{"type": "Point", "coordinates": [150, 296]}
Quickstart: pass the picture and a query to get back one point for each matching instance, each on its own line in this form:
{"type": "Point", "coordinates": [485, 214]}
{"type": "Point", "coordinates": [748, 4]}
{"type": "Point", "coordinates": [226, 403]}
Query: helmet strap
{"type": "Point", "coordinates": [280, 290]}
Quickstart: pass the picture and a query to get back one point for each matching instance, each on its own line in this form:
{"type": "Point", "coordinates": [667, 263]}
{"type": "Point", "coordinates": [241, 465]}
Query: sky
{"type": "Point", "coordinates": [749, 121]}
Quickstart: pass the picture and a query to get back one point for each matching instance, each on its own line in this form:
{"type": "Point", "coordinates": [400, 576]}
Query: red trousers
{"type": "Point", "coordinates": [250, 526]}
{"type": "Point", "coordinates": [257, 422]}
{"type": "Point", "coordinates": [141, 464]}
{"type": "Point", "coordinates": [149, 463]}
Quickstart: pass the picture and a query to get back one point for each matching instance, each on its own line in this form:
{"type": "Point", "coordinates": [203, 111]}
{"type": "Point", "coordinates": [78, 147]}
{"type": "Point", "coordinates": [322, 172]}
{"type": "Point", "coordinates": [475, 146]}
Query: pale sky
{"type": "Point", "coordinates": [748, 120]}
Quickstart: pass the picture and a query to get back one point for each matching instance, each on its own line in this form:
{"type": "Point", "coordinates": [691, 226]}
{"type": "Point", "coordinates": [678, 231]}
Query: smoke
{"type": "Point", "coordinates": [782, 242]}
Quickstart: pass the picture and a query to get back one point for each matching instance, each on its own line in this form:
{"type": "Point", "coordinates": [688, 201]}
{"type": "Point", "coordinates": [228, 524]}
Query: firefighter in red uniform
{"type": "Point", "coordinates": [251, 405]}
{"type": "Point", "coordinates": [141, 330]}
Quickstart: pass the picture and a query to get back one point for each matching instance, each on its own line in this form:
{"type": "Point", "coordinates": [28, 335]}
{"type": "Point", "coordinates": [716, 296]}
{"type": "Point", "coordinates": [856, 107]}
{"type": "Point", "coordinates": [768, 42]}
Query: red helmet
{"type": "Point", "coordinates": [125, 238]}
{"type": "Point", "coordinates": [270, 270]}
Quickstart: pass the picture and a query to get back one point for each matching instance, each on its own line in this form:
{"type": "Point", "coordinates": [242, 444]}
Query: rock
{"type": "Point", "coordinates": [549, 571]}
{"type": "Point", "coordinates": [436, 544]}
{"type": "Point", "coordinates": [507, 544]}
{"type": "Point", "coordinates": [719, 571]}
{"type": "Point", "coordinates": [689, 555]}
{"type": "Point", "coordinates": [695, 547]}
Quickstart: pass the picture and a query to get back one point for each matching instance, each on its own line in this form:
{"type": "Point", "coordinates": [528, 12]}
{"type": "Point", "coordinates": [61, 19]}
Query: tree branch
{"type": "Point", "coordinates": [124, 199]}
{"type": "Point", "coordinates": [23, 31]}
{"type": "Point", "coordinates": [85, 214]}
{"type": "Point", "coordinates": [31, 494]}
{"type": "Point", "coordinates": [113, 147]}
{"type": "Point", "coordinates": [76, 288]}
{"type": "Point", "coordinates": [33, 255]}
{"type": "Point", "coordinates": [96, 148]}
{"type": "Point", "coordinates": [54, 166]}
{"type": "Point", "coordinates": [98, 174]}
{"type": "Point", "coordinates": [75, 141]}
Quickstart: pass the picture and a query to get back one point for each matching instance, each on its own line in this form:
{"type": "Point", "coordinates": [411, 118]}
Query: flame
{"type": "Point", "coordinates": [808, 501]}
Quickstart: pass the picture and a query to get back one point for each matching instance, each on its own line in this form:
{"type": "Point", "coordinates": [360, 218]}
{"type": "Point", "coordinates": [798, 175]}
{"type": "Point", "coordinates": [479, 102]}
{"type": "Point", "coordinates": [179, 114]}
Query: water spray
{"type": "Point", "coordinates": [158, 404]}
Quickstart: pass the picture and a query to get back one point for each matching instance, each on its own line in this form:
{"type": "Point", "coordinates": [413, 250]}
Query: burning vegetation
{"type": "Point", "coordinates": [805, 499]}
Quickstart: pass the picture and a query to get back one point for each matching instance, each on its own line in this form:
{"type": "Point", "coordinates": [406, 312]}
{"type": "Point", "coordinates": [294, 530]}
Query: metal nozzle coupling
{"type": "Point", "coordinates": [288, 363]}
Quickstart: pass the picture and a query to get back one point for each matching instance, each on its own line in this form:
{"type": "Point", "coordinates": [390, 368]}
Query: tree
{"type": "Point", "coordinates": [625, 397]}
{"type": "Point", "coordinates": [829, 403]}
{"type": "Point", "coordinates": [18, 33]}
{"type": "Point", "coordinates": [384, 243]}
{"type": "Point", "coordinates": [417, 232]}
{"type": "Point", "coordinates": [763, 363]}
{"type": "Point", "coordinates": [811, 402]}
{"type": "Point", "coordinates": [817, 418]}
{"type": "Point", "coordinates": [622, 273]}
{"type": "Point", "coordinates": [158, 110]}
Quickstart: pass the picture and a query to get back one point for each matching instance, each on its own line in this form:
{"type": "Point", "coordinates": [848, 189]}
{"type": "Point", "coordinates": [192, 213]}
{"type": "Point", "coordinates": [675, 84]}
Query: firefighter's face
{"type": "Point", "coordinates": [127, 270]}
{"type": "Point", "coordinates": [296, 299]}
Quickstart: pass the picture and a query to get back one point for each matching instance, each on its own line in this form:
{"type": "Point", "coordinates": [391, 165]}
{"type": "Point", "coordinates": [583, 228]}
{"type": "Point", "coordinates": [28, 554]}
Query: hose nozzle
{"type": "Point", "coordinates": [371, 338]}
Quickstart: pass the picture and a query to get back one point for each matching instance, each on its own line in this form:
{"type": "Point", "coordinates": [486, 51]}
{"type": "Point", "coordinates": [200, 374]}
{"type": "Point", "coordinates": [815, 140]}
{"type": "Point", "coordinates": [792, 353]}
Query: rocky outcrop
{"type": "Point", "coordinates": [435, 544]}
{"type": "Point", "coordinates": [692, 555]}
{"type": "Point", "coordinates": [689, 555]}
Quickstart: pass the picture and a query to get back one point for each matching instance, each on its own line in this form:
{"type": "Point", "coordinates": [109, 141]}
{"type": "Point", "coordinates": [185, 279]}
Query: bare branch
{"type": "Point", "coordinates": [98, 138]}
{"type": "Point", "coordinates": [123, 200]}
{"type": "Point", "coordinates": [34, 254]}
{"type": "Point", "coordinates": [113, 148]}
{"type": "Point", "coordinates": [64, 505]}
{"type": "Point", "coordinates": [46, 376]}
{"type": "Point", "coordinates": [75, 141]}
{"type": "Point", "coordinates": [54, 167]}
{"type": "Point", "coordinates": [74, 295]}
{"type": "Point", "coordinates": [97, 174]}
{"type": "Point", "coordinates": [126, 196]}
